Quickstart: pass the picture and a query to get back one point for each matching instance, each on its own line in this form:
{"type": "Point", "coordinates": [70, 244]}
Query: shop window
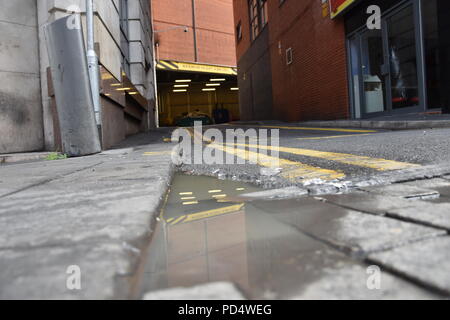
{"type": "Point", "coordinates": [436, 15]}
{"type": "Point", "coordinates": [258, 16]}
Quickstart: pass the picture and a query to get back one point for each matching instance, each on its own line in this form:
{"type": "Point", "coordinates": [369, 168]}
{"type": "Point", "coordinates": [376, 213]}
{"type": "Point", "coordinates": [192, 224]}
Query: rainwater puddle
{"type": "Point", "coordinates": [257, 245]}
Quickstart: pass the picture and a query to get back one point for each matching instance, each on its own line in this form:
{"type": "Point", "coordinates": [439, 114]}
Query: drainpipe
{"type": "Point", "coordinates": [194, 27]}
{"type": "Point", "coordinates": [93, 63]}
{"type": "Point", "coordinates": [155, 53]}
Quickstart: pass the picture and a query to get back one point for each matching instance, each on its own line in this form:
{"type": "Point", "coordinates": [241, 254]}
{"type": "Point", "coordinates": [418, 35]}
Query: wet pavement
{"type": "Point", "coordinates": [307, 238]}
{"type": "Point", "coordinates": [304, 248]}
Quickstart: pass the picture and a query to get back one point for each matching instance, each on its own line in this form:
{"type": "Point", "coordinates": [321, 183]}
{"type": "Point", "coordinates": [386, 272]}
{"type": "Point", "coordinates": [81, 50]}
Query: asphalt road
{"type": "Point", "coordinates": [342, 157]}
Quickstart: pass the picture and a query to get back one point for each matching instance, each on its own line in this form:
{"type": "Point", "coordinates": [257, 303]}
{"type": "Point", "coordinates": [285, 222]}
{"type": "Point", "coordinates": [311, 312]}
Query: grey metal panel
{"type": "Point", "coordinates": [255, 91]}
{"type": "Point", "coordinates": [70, 77]}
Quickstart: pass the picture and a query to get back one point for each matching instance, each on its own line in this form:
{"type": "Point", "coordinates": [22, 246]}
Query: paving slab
{"type": "Point", "coordinates": [440, 185]}
{"type": "Point", "coordinates": [402, 190]}
{"type": "Point", "coordinates": [112, 202]}
{"type": "Point", "coordinates": [18, 177]}
{"type": "Point", "coordinates": [349, 230]}
{"type": "Point", "coordinates": [100, 208]}
{"type": "Point", "coordinates": [349, 282]}
{"type": "Point", "coordinates": [432, 214]}
{"type": "Point", "coordinates": [211, 291]}
{"type": "Point", "coordinates": [41, 273]}
{"type": "Point", "coordinates": [427, 262]}
{"type": "Point", "coordinates": [369, 202]}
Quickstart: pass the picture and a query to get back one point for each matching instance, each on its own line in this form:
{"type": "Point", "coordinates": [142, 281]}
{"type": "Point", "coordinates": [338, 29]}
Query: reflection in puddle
{"type": "Point", "coordinates": [203, 238]}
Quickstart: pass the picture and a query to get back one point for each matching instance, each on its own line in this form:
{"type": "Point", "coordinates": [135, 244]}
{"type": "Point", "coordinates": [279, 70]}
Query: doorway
{"type": "Point", "coordinates": [384, 66]}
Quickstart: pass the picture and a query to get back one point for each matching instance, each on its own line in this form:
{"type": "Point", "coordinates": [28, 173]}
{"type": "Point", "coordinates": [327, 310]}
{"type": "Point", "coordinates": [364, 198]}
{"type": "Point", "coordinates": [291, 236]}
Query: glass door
{"type": "Point", "coordinates": [403, 59]}
{"type": "Point", "coordinates": [373, 73]}
{"type": "Point", "coordinates": [384, 66]}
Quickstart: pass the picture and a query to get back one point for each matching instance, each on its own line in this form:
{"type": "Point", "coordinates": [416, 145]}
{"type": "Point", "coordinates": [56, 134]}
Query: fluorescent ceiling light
{"type": "Point", "coordinates": [234, 89]}
{"type": "Point", "coordinates": [133, 93]}
{"type": "Point", "coordinates": [210, 89]}
{"type": "Point", "coordinates": [213, 80]}
{"type": "Point", "coordinates": [181, 81]}
{"type": "Point", "coordinates": [123, 89]}
{"type": "Point", "coordinates": [180, 90]}
{"type": "Point", "coordinates": [213, 84]}
{"type": "Point", "coordinates": [116, 85]}
{"type": "Point", "coordinates": [181, 86]}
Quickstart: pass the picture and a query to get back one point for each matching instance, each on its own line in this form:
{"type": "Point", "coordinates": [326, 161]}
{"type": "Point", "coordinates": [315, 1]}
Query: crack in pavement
{"type": "Point", "coordinates": [45, 181]}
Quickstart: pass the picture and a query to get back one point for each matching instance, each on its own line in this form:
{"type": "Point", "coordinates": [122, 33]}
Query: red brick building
{"type": "Point", "coordinates": [318, 59]}
{"type": "Point", "coordinates": [195, 43]}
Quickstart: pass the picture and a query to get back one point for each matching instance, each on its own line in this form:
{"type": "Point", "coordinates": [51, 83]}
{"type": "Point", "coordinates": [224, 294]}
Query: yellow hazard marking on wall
{"type": "Point", "coordinates": [195, 67]}
{"type": "Point", "coordinates": [213, 213]}
{"type": "Point", "coordinates": [291, 170]}
{"type": "Point", "coordinates": [360, 161]}
{"type": "Point", "coordinates": [319, 129]}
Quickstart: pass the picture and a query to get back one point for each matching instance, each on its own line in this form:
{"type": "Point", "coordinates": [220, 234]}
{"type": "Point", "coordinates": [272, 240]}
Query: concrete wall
{"type": "Point", "coordinates": [27, 113]}
{"type": "Point", "coordinates": [141, 47]}
{"type": "Point", "coordinates": [108, 39]}
{"type": "Point", "coordinates": [21, 126]}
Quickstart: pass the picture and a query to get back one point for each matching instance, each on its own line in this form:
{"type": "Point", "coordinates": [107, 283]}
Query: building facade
{"type": "Point", "coordinates": [196, 58]}
{"type": "Point", "coordinates": [319, 60]}
{"type": "Point", "coordinates": [123, 41]}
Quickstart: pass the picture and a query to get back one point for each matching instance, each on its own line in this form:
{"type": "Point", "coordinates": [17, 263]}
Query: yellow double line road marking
{"type": "Point", "coordinates": [205, 214]}
{"type": "Point", "coordinates": [292, 170]}
{"type": "Point", "coordinates": [350, 159]}
{"type": "Point", "coordinates": [317, 129]}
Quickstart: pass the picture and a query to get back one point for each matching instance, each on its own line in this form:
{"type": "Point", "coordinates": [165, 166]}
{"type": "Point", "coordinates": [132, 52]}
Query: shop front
{"type": "Point", "coordinates": [404, 67]}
